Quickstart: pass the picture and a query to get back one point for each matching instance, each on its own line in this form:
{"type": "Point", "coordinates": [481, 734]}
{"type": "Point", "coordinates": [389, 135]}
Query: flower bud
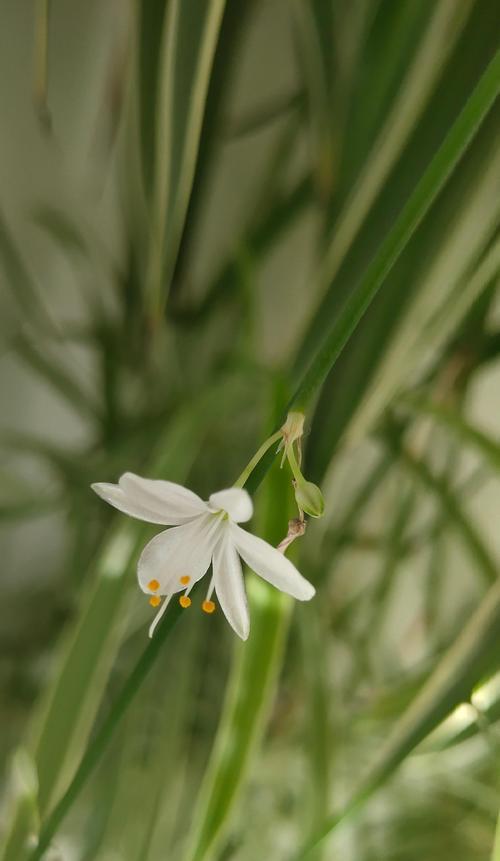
{"type": "Point", "coordinates": [309, 498]}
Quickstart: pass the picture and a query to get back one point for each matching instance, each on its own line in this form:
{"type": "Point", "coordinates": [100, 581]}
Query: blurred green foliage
{"type": "Point", "coordinates": [210, 208]}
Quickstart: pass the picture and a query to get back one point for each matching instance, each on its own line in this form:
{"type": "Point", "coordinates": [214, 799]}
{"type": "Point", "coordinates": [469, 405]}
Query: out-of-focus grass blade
{"type": "Point", "coordinates": [59, 226]}
{"type": "Point", "coordinates": [24, 788]}
{"type": "Point", "coordinates": [56, 375]}
{"type": "Point", "coordinates": [483, 713]}
{"type": "Point", "coordinates": [66, 716]}
{"type": "Point", "coordinates": [466, 432]}
{"type": "Point", "coordinates": [319, 730]}
{"type": "Point", "coordinates": [21, 283]}
{"type": "Point", "coordinates": [438, 486]}
{"type": "Point", "coordinates": [449, 276]}
{"type": "Point", "coordinates": [445, 25]}
{"type": "Point", "coordinates": [41, 64]}
{"type": "Point", "coordinates": [275, 109]}
{"type": "Point", "coordinates": [474, 653]}
{"type": "Point", "coordinates": [262, 237]}
{"type": "Point", "coordinates": [496, 847]}
{"type": "Point", "coordinates": [250, 690]}
{"type": "Point", "coordinates": [425, 193]}
{"type": "Point", "coordinates": [189, 41]}
{"type": "Point", "coordinates": [150, 23]}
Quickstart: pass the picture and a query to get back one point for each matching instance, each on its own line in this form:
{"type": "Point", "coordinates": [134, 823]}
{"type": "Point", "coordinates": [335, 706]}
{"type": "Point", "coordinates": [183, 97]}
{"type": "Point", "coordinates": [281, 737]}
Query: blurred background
{"type": "Point", "coordinates": [190, 192]}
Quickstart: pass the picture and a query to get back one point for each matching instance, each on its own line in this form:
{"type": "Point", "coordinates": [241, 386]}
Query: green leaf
{"type": "Point", "coordinates": [479, 554]}
{"type": "Point", "coordinates": [189, 41]}
{"type": "Point", "coordinates": [66, 715]}
{"type": "Point", "coordinates": [22, 285]}
{"type": "Point", "coordinates": [54, 371]}
{"type": "Point", "coordinates": [444, 27]}
{"type": "Point", "coordinates": [419, 203]}
{"type": "Point", "coordinates": [250, 691]}
{"type": "Point", "coordinates": [466, 432]}
{"type": "Point", "coordinates": [474, 653]}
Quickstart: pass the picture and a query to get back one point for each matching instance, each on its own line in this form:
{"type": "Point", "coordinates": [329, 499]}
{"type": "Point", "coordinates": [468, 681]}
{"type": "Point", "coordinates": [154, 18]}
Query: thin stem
{"type": "Point", "coordinates": [103, 737]}
{"type": "Point", "coordinates": [292, 460]}
{"type": "Point", "coordinates": [243, 478]}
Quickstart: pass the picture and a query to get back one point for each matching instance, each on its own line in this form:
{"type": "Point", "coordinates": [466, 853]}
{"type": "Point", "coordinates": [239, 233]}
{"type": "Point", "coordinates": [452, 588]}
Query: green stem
{"type": "Point", "coordinates": [103, 737]}
{"type": "Point", "coordinates": [292, 460]}
{"type": "Point", "coordinates": [243, 478]}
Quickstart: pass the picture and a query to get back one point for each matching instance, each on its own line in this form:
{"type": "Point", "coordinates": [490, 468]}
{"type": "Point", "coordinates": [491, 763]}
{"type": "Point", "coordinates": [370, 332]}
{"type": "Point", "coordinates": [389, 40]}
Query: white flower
{"type": "Point", "coordinates": [202, 533]}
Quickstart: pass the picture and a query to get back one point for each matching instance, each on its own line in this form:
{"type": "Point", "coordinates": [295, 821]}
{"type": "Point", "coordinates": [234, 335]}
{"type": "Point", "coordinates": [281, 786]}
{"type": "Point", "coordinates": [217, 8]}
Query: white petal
{"type": "Point", "coordinates": [179, 552]}
{"type": "Point", "coordinates": [113, 494]}
{"type": "Point", "coordinates": [151, 500]}
{"type": "Point", "coordinates": [271, 565]}
{"type": "Point", "coordinates": [173, 501]}
{"type": "Point", "coordinates": [229, 586]}
{"type": "Point", "coordinates": [235, 501]}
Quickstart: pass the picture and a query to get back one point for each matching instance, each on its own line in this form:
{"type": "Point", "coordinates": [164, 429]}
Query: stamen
{"type": "Point", "coordinates": [184, 579]}
{"type": "Point", "coordinates": [184, 601]}
{"type": "Point", "coordinates": [159, 615]}
{"type": "Point", "coordinates": [154, 586]}
{"type": "Point", "coordinates": [208, 606]}
{"type": "Point", "coordinates": [155, 600]}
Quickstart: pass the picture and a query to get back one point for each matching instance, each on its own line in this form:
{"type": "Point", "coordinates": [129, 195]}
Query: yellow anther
{"type": "Point", "coordinates": [184, 601]}
{"type": "Point", "coordinates": [155, 600]}
{"type": "Point", "coordinates": [208, 606]}
{"type": "Point", "coordinates": [184, 579]}
{"type": "Point", "coordinates": [153, 585]}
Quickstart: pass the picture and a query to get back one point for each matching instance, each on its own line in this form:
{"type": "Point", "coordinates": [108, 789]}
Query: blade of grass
{"type": "Point", "coordinates": [467, 433]}
{"type": "Point", "coordinates": [479, 554]}
{"type": "Point", "coordinates": [68, 711]}
{"type": "Point", "coordinates": [190, 37]}
{"type": "Point", "coordinates": [24, 290]}
{"type": "Point", "coordinates": [56, 375]}
{"type": "Point", "coordinates": [474, 653]}
{"type": "Point", "coordinates": [425, 193]}
{"type": "Point", "coordinates": [445, 26]}
{"type": "Point", "coordinates": [451, 275]}
{"type": "Point", "coordinates": [103, 737]}
{"type": "Point", "coordinates": [249, 694]}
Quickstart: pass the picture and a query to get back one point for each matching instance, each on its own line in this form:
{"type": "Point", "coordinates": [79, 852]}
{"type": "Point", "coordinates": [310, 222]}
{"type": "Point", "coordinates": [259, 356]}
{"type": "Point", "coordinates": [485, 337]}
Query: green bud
{"type": "Point", "coordinates": [309, 498]}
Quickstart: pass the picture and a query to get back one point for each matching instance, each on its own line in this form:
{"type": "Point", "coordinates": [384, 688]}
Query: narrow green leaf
{"type": "Point", "coordinates": [250, 691]}
{"type": "Point", "coordinates": [466, 432]}
{"type": "Point", "coordinates": [57, 224]}
{"type": "Point", "coordinates": [468, 534]}
{"type": "Point", "coordinates": [94, 752]}
{"type": "Point", "coordinates": [474, 653]}
{"type": "Point", "coordinates": [438, 41]}
{"type": "Point", "coordinates": [55, 373]}
{"type": "Point", "coordinates": [150, 23]}
{"type": "Point", "coordinates": [66, 715]}
{"type": "Point", "coordinates": [496, 848]}
{"type": "Point", "coordinates": [21, 283]}
{"type": "Point", "coordinates": [189, 41]}
{"type": "Point", "coordinates": [425, 193]}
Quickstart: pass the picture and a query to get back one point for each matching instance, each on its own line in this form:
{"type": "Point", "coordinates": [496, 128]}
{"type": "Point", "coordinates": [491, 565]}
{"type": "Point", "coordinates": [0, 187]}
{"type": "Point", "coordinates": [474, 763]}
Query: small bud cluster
{"type": "Point", "coordinates": [308, 496]}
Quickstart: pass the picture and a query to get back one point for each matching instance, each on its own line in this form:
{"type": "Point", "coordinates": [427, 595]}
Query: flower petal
{"type": "Point", "coordinates": [114, 494]}
{"type": "Point", "coordinates": [229, 587]}
{"type": "Point", "coordinates": [172, 500]}
{"type": "Point", "coordinates": [235, 501]}
{"type": "Point", "coordinates": [271, 565]}
{"type": "Point", "coordinates": [151, 500]}
{"type": "Point", "coordinates": [184, 551]}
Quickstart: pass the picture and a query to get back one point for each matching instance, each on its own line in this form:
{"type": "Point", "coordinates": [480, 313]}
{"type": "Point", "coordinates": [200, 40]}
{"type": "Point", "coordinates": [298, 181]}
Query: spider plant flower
{"type": "Point", "coordinates": [201, 533]}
